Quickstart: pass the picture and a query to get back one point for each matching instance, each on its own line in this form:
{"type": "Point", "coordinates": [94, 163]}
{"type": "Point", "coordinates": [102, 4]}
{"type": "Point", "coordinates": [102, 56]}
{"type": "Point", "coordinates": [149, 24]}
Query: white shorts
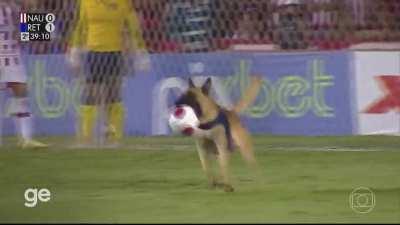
{"type": "Point", "coordinates": [14, 73]}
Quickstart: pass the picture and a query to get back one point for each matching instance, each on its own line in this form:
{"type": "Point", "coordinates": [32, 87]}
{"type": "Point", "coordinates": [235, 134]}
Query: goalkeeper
{"type": "Point", "coordinates": [100, 33]}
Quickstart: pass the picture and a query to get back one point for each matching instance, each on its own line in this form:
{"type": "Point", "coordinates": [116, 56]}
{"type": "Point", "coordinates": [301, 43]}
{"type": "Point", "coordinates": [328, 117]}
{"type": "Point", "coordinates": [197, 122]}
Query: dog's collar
{"type": "Point", "coordinates": [221, 119]}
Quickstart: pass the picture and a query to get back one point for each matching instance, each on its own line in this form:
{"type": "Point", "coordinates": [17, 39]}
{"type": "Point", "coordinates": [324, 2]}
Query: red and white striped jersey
{"type": "Point", "coordinates": [9, 36]}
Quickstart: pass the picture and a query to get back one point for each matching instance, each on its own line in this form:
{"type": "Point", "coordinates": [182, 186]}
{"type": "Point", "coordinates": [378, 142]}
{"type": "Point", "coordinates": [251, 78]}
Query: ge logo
{"type": "Point", "coordinates": [362, 200]}
{"type": "Point", "coordinates": [50, 17]}
{"type": "Point", "coordinates": [32, 195]}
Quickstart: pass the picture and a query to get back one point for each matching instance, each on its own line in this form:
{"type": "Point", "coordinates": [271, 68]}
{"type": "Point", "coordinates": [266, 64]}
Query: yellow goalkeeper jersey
{"type": "Point", "coordinates": [101, 24]}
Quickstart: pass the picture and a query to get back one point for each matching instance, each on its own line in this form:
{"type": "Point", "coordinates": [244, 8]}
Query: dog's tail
{"type": "Point", "coordinates": [249, 96]}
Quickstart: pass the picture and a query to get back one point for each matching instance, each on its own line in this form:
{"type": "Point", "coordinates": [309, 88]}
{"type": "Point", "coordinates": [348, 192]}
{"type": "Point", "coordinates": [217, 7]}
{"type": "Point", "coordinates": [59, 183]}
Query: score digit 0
{"type": "Point", "coordinates": [50, 17]}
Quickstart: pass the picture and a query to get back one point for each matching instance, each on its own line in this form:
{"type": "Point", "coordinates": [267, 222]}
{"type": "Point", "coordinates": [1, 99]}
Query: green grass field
{"type": "Point", "coordinates": [159, 180]}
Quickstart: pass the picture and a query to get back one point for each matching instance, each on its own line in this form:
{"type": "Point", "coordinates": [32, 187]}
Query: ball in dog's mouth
{"type": "Point", "coordinates": [179, 112]}
{"type": "Point", "coordinates": [188, 131]}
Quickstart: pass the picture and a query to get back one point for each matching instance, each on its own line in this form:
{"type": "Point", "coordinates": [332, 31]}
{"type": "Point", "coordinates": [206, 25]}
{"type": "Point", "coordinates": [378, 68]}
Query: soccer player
{"type": "Point", "coordinates": [13, 74]}
{"type": "Point", "coordinates": [100, 33]}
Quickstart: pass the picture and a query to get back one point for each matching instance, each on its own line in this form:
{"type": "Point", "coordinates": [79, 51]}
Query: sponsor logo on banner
{"type": "Point", "coordinates": [377, 92]}
{"type": "Point", "coordinates": [390, 86]}
{"type": "Point", "coordinates": [301, 94]}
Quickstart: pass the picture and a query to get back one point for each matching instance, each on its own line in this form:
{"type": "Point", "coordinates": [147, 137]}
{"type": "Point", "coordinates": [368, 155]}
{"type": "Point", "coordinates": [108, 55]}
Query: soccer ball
{"type": "Point", "coordinates": [183, 120]}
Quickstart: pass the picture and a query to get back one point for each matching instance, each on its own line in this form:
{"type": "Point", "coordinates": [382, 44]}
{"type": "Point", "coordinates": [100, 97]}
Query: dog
{"type": "Point", "coordinates": [223, 127]}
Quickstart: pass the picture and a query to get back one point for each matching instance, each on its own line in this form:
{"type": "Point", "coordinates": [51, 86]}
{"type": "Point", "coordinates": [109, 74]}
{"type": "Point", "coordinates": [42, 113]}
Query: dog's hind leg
{"type": "Point", "coordinates": [243, 140]}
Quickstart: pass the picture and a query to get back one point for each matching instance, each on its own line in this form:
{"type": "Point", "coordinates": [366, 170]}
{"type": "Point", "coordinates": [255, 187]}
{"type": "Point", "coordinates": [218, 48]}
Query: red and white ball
{"type": "Point", "coordinates": [183, 120]}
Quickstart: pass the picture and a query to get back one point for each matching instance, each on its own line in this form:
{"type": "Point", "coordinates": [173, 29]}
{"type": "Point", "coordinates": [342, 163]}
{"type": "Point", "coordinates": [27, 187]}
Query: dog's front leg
{"type": "Point", "coordinates": [205, 162]}
{"type": "Point", "coordinates": [223, 160]}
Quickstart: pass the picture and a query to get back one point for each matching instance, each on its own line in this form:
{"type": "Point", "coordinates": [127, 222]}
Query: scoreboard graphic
{"type": "Point", "coordinates": [36, 26]}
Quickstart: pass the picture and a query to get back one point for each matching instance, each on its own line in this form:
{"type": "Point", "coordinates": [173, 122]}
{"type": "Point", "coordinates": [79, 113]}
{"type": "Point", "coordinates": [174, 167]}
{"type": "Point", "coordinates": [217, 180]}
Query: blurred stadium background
{"type": "Point", "coordinates": [331, 72]}
{"type": "Point", "coordinates": [320, 24]}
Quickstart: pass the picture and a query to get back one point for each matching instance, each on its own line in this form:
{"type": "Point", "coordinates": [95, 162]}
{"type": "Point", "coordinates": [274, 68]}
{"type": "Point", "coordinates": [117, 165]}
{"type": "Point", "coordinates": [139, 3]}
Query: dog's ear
{"type": "Point", "coordinates": [191, 84]}
{"type": "Point", "coordinates": [206, 86]}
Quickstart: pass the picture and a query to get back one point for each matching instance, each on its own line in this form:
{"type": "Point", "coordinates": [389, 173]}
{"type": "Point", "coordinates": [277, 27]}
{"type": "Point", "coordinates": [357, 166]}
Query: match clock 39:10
{"type": "Point", "coordinates": [39, 36]}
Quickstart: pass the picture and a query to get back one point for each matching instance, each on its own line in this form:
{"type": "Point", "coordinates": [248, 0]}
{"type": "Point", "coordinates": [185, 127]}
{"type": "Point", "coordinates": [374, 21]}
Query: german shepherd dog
{"type": "Point", "coordinates": [223, 127]}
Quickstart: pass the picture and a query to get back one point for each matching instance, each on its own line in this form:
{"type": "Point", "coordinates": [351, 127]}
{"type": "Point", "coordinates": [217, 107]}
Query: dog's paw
{"type": "Point", "coordinates": [215, 184]}
{"type": "Point", "coordinates": [228, 188]}
{"type": "Point", "coordinates": [212, 186]}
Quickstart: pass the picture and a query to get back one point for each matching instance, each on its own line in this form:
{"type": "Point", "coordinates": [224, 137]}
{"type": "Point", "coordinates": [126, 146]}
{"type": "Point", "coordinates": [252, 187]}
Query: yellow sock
{"type": "Point", "coordinates": [116, 114]}
{"type": "Point", "coordinates": [88, 115]}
